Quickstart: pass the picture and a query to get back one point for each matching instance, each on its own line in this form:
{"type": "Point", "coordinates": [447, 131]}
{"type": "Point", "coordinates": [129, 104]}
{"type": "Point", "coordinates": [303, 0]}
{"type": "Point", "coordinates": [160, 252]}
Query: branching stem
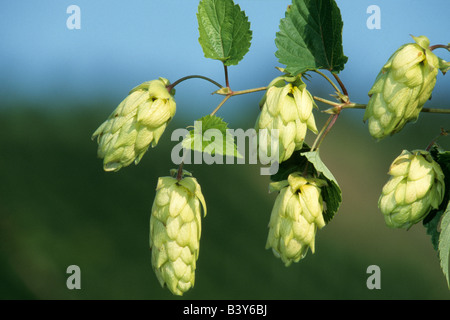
{"type": "Point", "coordinates": [325, 129]}
{"type": "Point", "coordinates": [236, 93]}
{"type": "Point", "coordinates": [341, 84]}
{"type": "Point", "coordinates": [221, 104]}
{"type": "Point", "coordinates": [323, 132]}
{"type": "Point", "coordinates": [331, 103]}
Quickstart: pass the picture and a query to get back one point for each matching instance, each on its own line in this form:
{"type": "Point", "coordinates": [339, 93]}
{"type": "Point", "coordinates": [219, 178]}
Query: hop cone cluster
{"type": "Point", "coordinates": [295, 217]}
{"type": "Point", "coordinates": [415, 187]}
{"type": "Point", "coordinates": [286, 107]}
{"type": "Point", "coordinates": [138, 121]}
{"type": "Point", "coordinates": [175, 229]}
{"type": "Point", "coordinates": [401, 88]}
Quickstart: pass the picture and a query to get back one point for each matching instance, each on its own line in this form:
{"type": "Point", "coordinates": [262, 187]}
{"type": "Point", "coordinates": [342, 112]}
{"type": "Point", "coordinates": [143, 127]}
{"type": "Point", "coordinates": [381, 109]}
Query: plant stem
{"type": "Point", "coordinates": [180, 171]}
{"type": "Point", "coordinates": [338, 106]}
{"type": "Point", "coordinates": [433, 142]}
{"type": "Point", "coordinates": [331, 103]}
{"type": "Point", "coordinates": [326, 128]}
{"type": "Point", "coordinates": [441, 46]}
{"type": "Point", "coordinates": [354, 106]}
{"type": "Point", "coordinates": [221, 104]}
{"type": "Point", "coordinates": [341, 84]}
{"type": "Point", "coordinates": [171, 86]}
{"type": "Point", "coordinates": [236, 93]}
{"type": "Point", "coordinates": [225, 68]}
{"type": "Point", "coordinates": [321, 132]}
{"type": "Point", "coordinates": [433, 110]}
{"type": "Point", "coordinates": [329, 80]}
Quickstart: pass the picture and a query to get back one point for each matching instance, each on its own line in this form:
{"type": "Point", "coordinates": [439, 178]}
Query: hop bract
{"type": "Point", "coordinates": [287, 108]}
{"type": "Point", "coordinates": [401, 88]}
{"type": "Point", "coordinates": [415, 187]}
{"type": "Point", "coordinates": [139, 120]}
{"type": "Point", "coordinates": [295, 218]}
{"type": "Point", "coordinates": [175, 229]}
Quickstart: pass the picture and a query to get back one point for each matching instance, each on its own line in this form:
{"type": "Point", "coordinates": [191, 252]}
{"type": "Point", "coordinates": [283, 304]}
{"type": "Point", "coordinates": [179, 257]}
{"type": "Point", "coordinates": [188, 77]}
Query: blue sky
{"type": "Point", "coordinates": [124, 43]}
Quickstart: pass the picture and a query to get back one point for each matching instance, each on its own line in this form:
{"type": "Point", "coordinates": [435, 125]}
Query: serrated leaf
{"type": "Point", "coordinates": [224, 29]}
{"type": "Point", "coordinates": [432, 220]}
{"type": "Point", "coordinates": [444, 244]}
{"type": "Point", "coordinates": [311, 164]}
{"type": "Point", "coordinates": [332, 195]}
{"type": "Point", "coordinates": [442, 157]}
{"type": "Point", "coordinates": [310, 37]}
{"type": "Point", "coordinates": [211, 135]}
{"type": "Point", "coordinates": [314, 158]}
{"type": "Point", "coordinates": [431, 223]}
{"type": "Point", "coordinates": [440, 219]}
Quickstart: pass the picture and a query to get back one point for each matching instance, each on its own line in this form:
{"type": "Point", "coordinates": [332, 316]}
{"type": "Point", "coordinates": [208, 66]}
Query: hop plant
{"type": "Point", "coordinates": [401, 88]}
{"type": "Point", "coordinates": [295, 218]}
{"type": "Point", "coordinates": [175, 230]}
{"type": "Point", "coordinates": [288, 108]}
{"type": "Point", "coordinates": [308, 197]}
{"type": "Point", "coordinates": [138, 121]}
{"type": "Point", "coordinates": [415, 187]}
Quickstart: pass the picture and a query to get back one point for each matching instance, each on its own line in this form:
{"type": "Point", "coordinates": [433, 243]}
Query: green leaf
{"type": "Point", "coordinates": [211, 135]}
{"type": "Point", "coordinates": [444, 243]}
{"type": "Point", "coordinates": [442, 157]}
{"type": "Point", "coordinates": [310, 163]}
{"type": "Point", "coordinates": [314, 158]}
{"type": "Point", "coordinates": [437, 221]}
{"type": "Point", "coordinates": [432, 220]}
{"type": "Point", "coordinates": [310, 37]}
{"type": "Point", "coordinates": [224, 29]}
{"type": "Point", "coordinates": [296, 163]}
{"type": "Point", "coordinates": [431, 223]}
{"type": "Point", "coordinates": [332, 195]}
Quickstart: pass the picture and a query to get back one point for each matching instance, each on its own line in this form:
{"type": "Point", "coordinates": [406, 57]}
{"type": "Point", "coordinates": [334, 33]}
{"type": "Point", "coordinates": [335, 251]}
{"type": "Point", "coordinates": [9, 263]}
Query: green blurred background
{"type": "Point", "coordinates": [59, 208]}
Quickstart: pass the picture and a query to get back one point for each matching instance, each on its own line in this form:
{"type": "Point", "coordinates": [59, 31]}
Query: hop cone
{"type": "Point", "coordinates": [288, 108]}
{"type": "Point", "coordinates": [139, 120]}
{"type": "Point", "coordinates": [401, 88]}
{"type": "Point", "coordinates": [295, 218]}
{"type": "Point", "coordinates": [175, 230]}
{"type": "Point", "coordinates": [415, 187]}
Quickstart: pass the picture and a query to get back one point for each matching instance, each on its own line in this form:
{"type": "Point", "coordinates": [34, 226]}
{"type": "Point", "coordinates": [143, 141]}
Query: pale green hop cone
{"type": "Point", "coordinates": [296, 216]}
{"type": "Point", "coordinates": [175, 229]}
{"type": "Point", "coordinates": [401, 88]}
{"type": "Point", "coordinates": [138, 122]}
{"type": "Point", "coordinates": [416, 186]}
{"type": "Point", "coordinates": [287, 107]}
